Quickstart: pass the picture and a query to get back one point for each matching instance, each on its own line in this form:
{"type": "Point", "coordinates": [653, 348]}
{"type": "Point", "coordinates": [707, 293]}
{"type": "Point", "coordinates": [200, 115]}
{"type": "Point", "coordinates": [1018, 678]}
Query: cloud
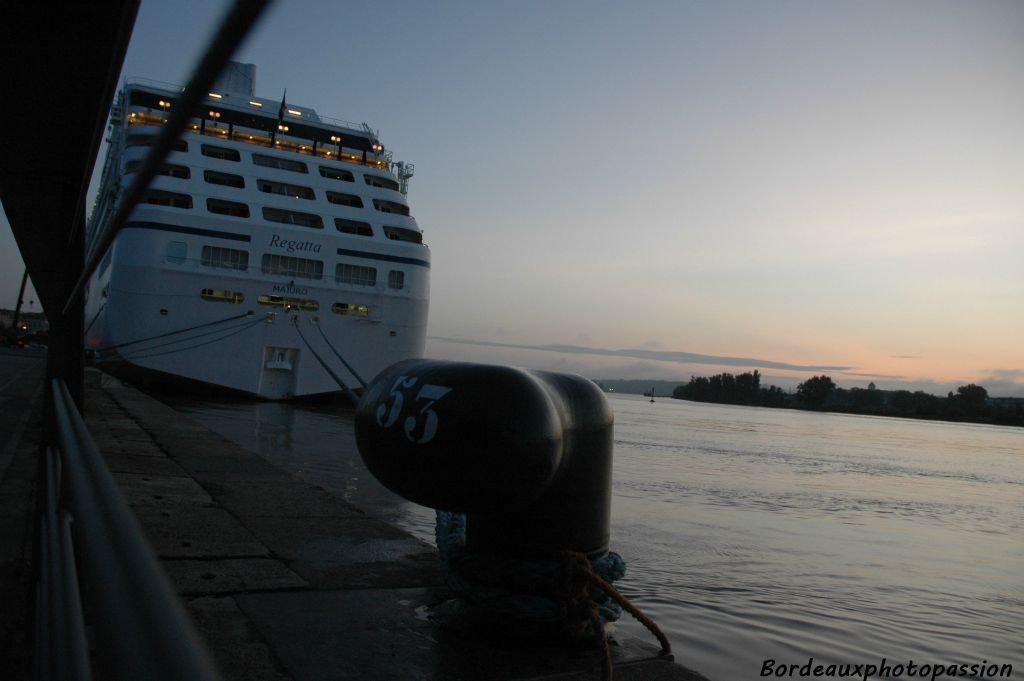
{"type": "Point", "coordinates": [1004, 382]}
{"type": "Point", "coordinates": [878, 376]}
{"type": "Point", "coordinates": [655, 355]}
{"type": "Point", "coordinates": [1006, 375]}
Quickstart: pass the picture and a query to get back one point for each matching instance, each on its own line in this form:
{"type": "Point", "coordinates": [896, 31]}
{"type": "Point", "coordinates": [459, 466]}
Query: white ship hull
{"type": "Point", "coordinates": [259, 306]}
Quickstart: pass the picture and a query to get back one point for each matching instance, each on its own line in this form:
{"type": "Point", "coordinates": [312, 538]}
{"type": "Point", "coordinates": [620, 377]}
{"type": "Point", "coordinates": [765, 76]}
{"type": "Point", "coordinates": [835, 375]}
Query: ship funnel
{"type": "Point", "coordinates": [238, 78]}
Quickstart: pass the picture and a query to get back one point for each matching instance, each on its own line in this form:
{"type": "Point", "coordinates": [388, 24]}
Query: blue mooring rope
{"type": "Point", "coordinates": [567, 591]}
{"type": "Point", "coordinates": [520, 589]}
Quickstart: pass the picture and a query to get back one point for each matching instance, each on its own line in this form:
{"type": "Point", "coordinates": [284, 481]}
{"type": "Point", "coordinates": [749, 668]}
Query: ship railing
{"type": "Point", "coordinates": [94, 559]}
{"type": "Point", "coordinates": [155, 84]}
{"type": "Point", "coordinates": [336, 122]}
{"type": "Point", "coordinates": [381, 160]}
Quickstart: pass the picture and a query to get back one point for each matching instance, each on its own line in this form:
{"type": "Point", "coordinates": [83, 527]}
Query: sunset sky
{"type": "Point", "coordinates": [667, 189]}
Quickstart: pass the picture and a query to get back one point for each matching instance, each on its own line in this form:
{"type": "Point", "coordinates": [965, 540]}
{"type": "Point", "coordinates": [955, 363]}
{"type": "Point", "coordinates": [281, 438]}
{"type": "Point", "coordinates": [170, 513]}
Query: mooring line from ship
{"type": "Point", "coordinates": [172, 333]}
{"type": "Point", "coordinates": [192, 338]}
{"type": "Point", "coordinates": [237, 328]}
{"type": "Point", "coordinates": [338, 355]}
{"type": "Point", "coordinates": [235, 332]}
{"type": "Point", "coordinates": [583, 565]}
{"type": "Point", "coordinates": [94, 318]}
{"type": "Point", "coordinates": [337, 379]}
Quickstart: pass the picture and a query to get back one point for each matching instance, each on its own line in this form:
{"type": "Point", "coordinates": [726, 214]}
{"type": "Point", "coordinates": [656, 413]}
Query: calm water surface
{"type": "Point", "coordinates": [755, 533]}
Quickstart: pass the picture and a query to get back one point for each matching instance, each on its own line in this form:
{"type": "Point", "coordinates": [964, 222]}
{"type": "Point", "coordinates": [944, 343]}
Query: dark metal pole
{"type": "Point", "coordinates": [65, 355]}
{"type": "Point", "coordinates": [233, 29]}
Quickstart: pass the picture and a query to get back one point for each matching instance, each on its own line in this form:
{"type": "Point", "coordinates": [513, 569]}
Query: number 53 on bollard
{"type": "Point", "coordinates": [525, 455]}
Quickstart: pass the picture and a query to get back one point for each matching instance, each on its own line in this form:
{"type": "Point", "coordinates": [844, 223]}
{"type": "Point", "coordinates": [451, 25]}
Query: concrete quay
{"type": "Point", "coordinates": [285, 582]}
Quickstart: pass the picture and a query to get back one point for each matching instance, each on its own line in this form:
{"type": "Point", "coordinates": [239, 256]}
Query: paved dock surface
{"type": "Point", "coordinates": [283, 581]}
{"type": "Point", "coordinates": [21, 391]}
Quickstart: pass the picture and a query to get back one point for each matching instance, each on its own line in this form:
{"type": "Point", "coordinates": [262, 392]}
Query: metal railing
{"type": "Point", "coordinates": [92, 547]}
{"type": "Point", "coordinates": [94, 559]}
{"type": "Point", "coordinates": [329, 120]}
{"type": "Point", "coordinates": [104, 607]}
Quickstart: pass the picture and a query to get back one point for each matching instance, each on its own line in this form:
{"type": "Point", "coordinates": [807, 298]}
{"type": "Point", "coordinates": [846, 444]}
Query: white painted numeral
{"type": "Point", "coordinates": [397, 400]}
{"type": "Point", "coordinates": [431, 394]}
{"type": "Point", "coordinates": [424, 421]}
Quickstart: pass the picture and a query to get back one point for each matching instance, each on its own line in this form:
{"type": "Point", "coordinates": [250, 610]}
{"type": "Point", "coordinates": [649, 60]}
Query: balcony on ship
{"type": "Point", "coordinates": [288, 133]}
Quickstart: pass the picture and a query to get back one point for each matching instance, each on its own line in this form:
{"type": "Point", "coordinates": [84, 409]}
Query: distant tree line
{"type": "Point", "coordinates": [728, 389]}
{"type": "Point", "coordinates": [820, 393]}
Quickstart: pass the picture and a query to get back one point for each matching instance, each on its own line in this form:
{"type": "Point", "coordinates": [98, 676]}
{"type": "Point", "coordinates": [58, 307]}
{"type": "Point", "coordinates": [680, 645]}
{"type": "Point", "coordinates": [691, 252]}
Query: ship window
{"type": "Point", "coordinates": [221, 296]}
{"type": "Point", "coordinates": [351, 309]}
{"type": "Point", "coordinates": [177, 252]}
{"type": "Point", "coordinates": [162, 198]}
{"type": "Point", "coordinates": [355, 274]}
{"type": "Point", "coordinates": [167, 169]}
{"type": "Point", "coordinates": [336, 174]}
{"type": "Point", "coordinates": [378, 181]}
{"type": "Point", "coordinates": [289, 303]}
{"type": "Point", "coordinates": [293, 190]}
{"type": "Point", "coordinates": [396, 279]}
{"type": "Point", "coordinates": [390, 207]}
{"type": "Point", "coordinates": [147, 99]}
{"type": "Point", "coordinates": [279, 163]}
{"type": "Point", "coordinates": [222, 207]}
{"type": "Point", "coordinates": [226, 179]}
{"type": "Point", "coordinates": [288, 266]}
{"type": "Point", "coordinates": [345, 199]}
{"type": "Point", "coordinates": [222, 153]}
{"type": "Point", "coordinates": [403, 234]}
{"type": "Point", "coordinates": [227, 258]}
{"type": "Point", "coordinates": [353, 227]}
{"type": "Point", "coordinates": [291, 217]}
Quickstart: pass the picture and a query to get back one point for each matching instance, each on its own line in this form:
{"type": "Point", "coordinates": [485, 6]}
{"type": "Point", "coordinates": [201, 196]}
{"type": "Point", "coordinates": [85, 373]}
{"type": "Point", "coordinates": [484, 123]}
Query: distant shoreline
{"type": "Point", "coordinates": [970, 404]}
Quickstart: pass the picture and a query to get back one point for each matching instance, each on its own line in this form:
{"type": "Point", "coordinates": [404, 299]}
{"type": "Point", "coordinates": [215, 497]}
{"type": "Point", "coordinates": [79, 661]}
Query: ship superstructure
{"type": "Point", "coordinates": [274, 254]}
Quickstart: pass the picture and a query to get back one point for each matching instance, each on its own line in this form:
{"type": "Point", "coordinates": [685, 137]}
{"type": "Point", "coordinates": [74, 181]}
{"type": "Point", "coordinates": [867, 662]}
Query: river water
{"type": "Point", "coordinates": [753, 534]}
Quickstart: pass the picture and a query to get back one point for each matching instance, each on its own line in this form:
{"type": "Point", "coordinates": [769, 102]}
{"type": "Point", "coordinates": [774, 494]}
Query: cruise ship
{"type": "Point", "coordinates": [273, 255]}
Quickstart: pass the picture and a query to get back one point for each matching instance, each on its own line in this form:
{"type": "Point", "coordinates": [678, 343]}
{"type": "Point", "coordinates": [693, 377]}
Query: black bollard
{"type": "Point", "coordinates": [526, 455]}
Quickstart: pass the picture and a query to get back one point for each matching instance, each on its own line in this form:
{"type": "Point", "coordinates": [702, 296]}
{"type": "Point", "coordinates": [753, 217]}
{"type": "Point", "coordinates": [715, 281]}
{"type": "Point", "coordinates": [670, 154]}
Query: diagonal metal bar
{"type": "Point", "coordinates": [233, 29]}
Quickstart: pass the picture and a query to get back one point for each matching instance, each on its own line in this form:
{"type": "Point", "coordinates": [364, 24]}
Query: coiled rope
{"type": "Point", "coordinates": [568, 591]}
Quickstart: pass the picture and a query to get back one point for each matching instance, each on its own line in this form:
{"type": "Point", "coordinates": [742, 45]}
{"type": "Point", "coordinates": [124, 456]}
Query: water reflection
{"type": "Point", "coordinates": [315, 443]}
